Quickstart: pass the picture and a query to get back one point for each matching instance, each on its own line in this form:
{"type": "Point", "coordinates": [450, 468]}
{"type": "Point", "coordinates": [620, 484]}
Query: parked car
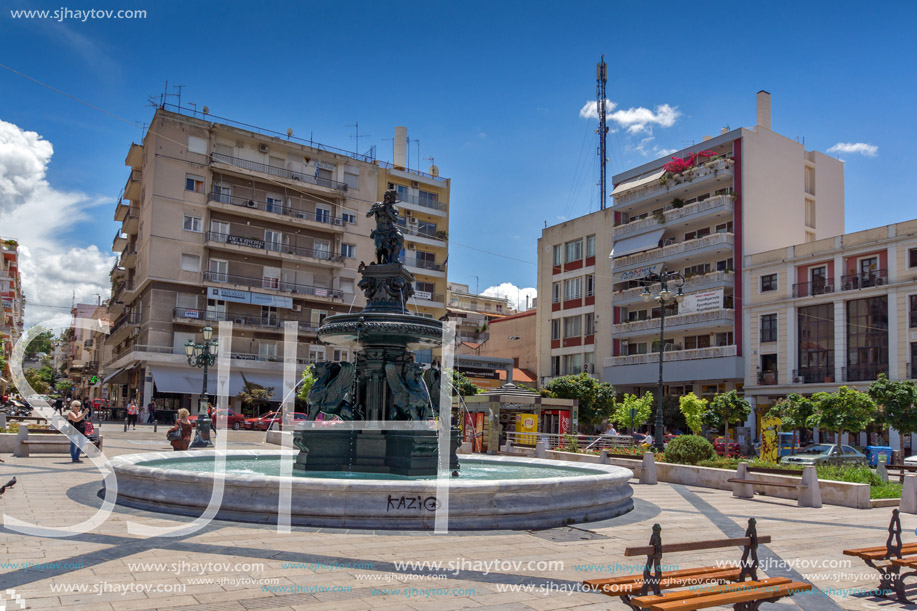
{"type": "Point", "coordinates": [726, 447]}
{"type": "Point", "coordinates": [273, 420]}
{"type": "Point", "coordinates": [824, 453]}
{"type": "Point", "coordinates": [234, 420]}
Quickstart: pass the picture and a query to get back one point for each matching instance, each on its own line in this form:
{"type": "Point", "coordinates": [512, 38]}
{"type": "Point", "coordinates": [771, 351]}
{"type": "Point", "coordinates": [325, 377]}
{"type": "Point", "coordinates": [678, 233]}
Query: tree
{"type": "Point", "coordinates": [596, 399]}
{"type": "Point", "coordinates": [255, 396]}
{"type": "Point", "coordinates": [40, 343]}
{"type": "Point", "coordinates": [63, 386]}
{"type": "Point", "coordinates": [33, 377]}
{"type": "Point", "coordinates": [794, 413]}
{"type": "Point", "coordinates": [725, 409]}
{"type": "Point", "coordinates": [308, 379]}
{"type": "Point", "coordinates": [693, 409]}
{"type": "Point", "coordinates": [844, 411]}
{"type": "Point", "coordinates": [463, 385]}
{"type": "Point", "coordinates": [898, 401]}
{"type": "Point", "coordinates": [642, 406]}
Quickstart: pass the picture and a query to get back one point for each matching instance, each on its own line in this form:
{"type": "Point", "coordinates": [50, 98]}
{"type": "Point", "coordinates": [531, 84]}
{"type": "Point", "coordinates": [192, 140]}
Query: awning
{"type": "Point", "coordinates": [638, 243]}
{"type": "Point", "coordinates": [630, 184]}
{"type": "Point", "coordinates": [270, 380]}
{"type": "Point", "coordinates": [108, 379]}
{"type": "Point", "coordinates": [185, 380]}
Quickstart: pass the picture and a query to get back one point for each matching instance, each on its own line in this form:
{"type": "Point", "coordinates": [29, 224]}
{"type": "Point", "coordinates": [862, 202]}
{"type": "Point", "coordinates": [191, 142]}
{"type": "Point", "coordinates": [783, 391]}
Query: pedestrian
{"type": "Point", "coordinates": [59, 405]}
{"type": "Point", "coordinates": [183, 428]}
{"type": "Point", "coordinates": [76, 418]}
{"type": "Point", "coordinates": [132, 414]}
{"type": "Point", "coordinates": [211, 414]}
{"type": "Point", "coordinates": [151, 410]}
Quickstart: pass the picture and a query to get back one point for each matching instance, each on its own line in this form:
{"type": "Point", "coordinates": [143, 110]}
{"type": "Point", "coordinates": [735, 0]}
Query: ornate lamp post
{"type": "Point", "coordinates": [664, 297]}
{"type": "Point", "coordinates": [202, 355]}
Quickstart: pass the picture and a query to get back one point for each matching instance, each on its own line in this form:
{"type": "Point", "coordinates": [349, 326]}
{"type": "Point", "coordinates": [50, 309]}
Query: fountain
{"type": "Point", "coordinates": [369, 456]}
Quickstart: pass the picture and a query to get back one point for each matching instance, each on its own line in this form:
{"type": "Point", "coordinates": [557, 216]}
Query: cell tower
{"type": "Point", "coordinates": [601, 77]}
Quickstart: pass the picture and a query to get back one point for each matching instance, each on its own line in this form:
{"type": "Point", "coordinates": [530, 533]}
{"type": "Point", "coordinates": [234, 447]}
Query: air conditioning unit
{"type": "Point", "coordinates": [411, 247]}
{"type": "Point", "coordinates": [829, 288]}
{"type": "Point", "coordinates": [297, 308]}
{"type": "Point", "coordinates": [412, 220]}
{"type": "Point", "coordinates": [848, 286]}
{"type": "Point", "coordinates": [239, 321]}
{"type": "Point", "coordinates": [797, 380]}
{"type": "Point", "coordinates": [880, 281]}
{"type": "Point", "coordinates": [251, 204]}
{"type": "Point", "coordinates": [263, 148]}
{"type": "Point", "coordinates": [338, 221]}
{"type": "Point", "coordinates": [415, 184]}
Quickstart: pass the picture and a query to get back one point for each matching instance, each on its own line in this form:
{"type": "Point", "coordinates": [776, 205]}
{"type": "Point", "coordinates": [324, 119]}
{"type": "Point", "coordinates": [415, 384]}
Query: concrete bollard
{"type": "Point", "coordinates": [648, 472]}
{"type": "Point", "coordinates": [909, 494]}
{"type": "Point", "coordinates": [155, 424]}
{"type": "Point", "coordinates": [742, 491]}
{"type": "Point", "coordinates": [603, 457]}
{"type": "Point", "coordinates": [508, 446]}
{"type": "Point", "coordinates": [125, 424]}
{"type": "Point", "coordinates": [2, 421]}
{"type": "Point", "coordinates": [22, 449]}
{"type": "Point", "coordinates": [881, 471]}
{"type": "Point", "coordinates": [809, 493]}
{"type": "Point", "coordinates": [541, 448]}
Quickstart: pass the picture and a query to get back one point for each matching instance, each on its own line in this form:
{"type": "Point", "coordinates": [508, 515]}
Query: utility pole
{"type": "Point", "coordinates": [601, 78]}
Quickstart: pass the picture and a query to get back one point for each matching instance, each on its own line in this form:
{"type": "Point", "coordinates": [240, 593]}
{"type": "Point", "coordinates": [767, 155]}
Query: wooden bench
{"type": "Point", "coordinates": [708, 586]}
{"type": "Point", "coordinates": [901, 470]}
{"type": "Point", "coordinates": [889, 559]}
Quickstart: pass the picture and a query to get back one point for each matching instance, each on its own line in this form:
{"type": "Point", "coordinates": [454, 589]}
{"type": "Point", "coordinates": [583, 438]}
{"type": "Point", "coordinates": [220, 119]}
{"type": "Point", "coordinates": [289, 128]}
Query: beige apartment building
{"type": "Point", "coordinates": [13, 307]}
{"type": "Point", "coordinates": [746, 191]}
{"type": "Point", "coordinates": [223, 223]}
{"type": "Point", "coordinates": [473, 313]}
{"type": "Point", "coordinates": [837, 311]}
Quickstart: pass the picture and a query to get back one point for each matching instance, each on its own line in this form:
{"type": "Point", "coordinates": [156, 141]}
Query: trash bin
{"type": "Point", "coordinates": [874, 452]}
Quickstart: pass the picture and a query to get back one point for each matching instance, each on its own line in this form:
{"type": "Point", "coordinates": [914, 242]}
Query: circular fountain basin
{"type": "Point", "coordinates": [496, 492]}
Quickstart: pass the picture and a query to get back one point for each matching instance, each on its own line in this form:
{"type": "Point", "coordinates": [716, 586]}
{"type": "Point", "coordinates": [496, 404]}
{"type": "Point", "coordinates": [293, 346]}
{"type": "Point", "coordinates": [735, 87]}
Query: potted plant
{"type": "Point", "coordinates": [678, 203]}
{"type": "Point", "coordinates": [659, 216]}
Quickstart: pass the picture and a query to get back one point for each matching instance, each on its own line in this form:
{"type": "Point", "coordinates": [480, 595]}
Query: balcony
{"type": "Point", "coordinates": [131, 221]}
{"type": "Point", "coordinates": [423, 202]}
{"type": "Point", "coordinates": [272, 247]}
{"type": "Point", "coordinates": [132, 186]}
{"type": "Point", "coordinates": [279, 209]}
{"type": "Point", "coordinates": [274, 284]}
{"type": "Point", "coordinates": [124, 287]}
{"type": "Point", "coordinates": [722, 316]}
{"type": "Point", "coordinates": [428, 299]}
{"type": "Point", "coordinates": [423, 266]}
{"type": "Point", "coordinates": [852, 282]}
{"type": "Point", "coordinates": [438, 238]}
{"type": "Point", "coordinates": [694, 282]}
{"type": "Point", "coordinates": [254, 166]}
{"type": "Point", "coordinates": [719, 169]}
{"type": "Point", "coordinates": [813, 375]}
{"type": "Point", "coordinates": [719, 203]}
{"type": "Point", "coordinates": [867, 372]}
{"type": "Point", "coordinates": [813, 289]}
{"type": "Point", "coordinates": [195, 315]}
{"type": "Point", "coordinates": [672, 355]}
{"type": "Point", "coordinates": [713, 242]}
{"type": "Point", "coordinates": [121, 211]}
{"type": "Point", "coordinates": [768, 378]}
{"type": "Point", "coordinates": [119, 242]}
{"type": "Point", "coordinates": [128, 257]}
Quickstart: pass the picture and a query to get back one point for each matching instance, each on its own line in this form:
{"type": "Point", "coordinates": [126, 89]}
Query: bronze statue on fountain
{"type": "Point", "coordinates": [385, 385]}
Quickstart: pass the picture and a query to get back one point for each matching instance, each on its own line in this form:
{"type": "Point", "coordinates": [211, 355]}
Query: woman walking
{"type": "Point", "coordinates": [77, 421]}
{"type": "Point", "coordinates": [132, 414]}
{"type": "Point", "coordinates": [183, 427]}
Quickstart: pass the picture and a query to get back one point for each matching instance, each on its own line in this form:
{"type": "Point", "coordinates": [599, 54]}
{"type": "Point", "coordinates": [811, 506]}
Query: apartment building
{"type": "Point", "coordinates": [510, 337]}
{"type": "Point", "coordinates": [223, 223]}
{"type": "Point", "coordinates": [84, 364]}
{"type": "Point", "coordinates": [473, 313]}
{"type": "Point", "coordinates": [837, 311]}
{"type": "Point", "coordinates": [699, 213]}
{"type": "Point", "coordinates": [13, 304]}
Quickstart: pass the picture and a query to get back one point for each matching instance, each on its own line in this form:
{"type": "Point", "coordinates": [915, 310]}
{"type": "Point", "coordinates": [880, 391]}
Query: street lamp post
{"type": "Point", "coordinates": [202, 355]}
{"type": "Point", "coordinates": [663, 296]}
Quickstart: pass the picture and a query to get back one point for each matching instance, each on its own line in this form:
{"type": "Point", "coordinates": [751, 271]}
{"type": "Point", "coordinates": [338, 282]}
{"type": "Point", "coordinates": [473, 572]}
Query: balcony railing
{"type": "Point", "coordinates": [127, 285]}
{"type": "Point", "coordinates": [311, 253]}
{"type": "Point", "coordinates": [426, 202]}
{"type": "Point", "coordinates": [675, 320]}
{"type": "Point", "coordinates": [810, 289]}
{"type": "Point", "coordinates": [713, 352]}
{"type": "Point", "coordinates": [387, 165]}
{"type": "Point", "coordinates": [693, 281]}
{"type": "Point", "coordinates": [241, 319]}
{"type": "Point", "coordinates": [673, 214]}
{"type": "Point", "coordinates": [423, 264]}
{"type": "Point", "coordinates": [866, 372]}
{"type": "Point", "coordinates": [813, 375]}
{"type": "Point", "coordinates": [242, 356]}
{"type": "Point", "coordinates": [274, 284]}
{"type": "Point", "coordinates": [128, 318]}
{"type": "Point", "coordinates": [421, 296]}
{"type": "Point", "coordinates": [658, 253]}
{"type": "Point", "coordinates": [852, 282]}
{"type": "Point", "coordinates": [433, 234]}
{"type": "Point", "coordinates": [254, 166]}
{"type": "Point", "coordinates": [768, 378]}
{"type": "Point", "coordinates": [710, 168]}
{"type": "Point", "coordinates": [275, 208]}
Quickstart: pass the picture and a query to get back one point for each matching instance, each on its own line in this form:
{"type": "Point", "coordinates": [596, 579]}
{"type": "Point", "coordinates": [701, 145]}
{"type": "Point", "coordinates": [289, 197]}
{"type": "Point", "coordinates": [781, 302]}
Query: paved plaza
{"type": "Point", "coordinates": [236, 566]}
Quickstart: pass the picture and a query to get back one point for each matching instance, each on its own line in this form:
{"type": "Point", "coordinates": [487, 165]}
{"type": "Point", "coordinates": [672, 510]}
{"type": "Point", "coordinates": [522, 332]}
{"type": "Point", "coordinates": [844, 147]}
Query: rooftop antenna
{"type": "Point", "coordinates": [601, 78]}
{"type": "Point", "coordinates": [289, 133]}
{"type": "Point", "coordinates": [356, 135]}
{"type": "Point", "coordinates": [476, 282]}
{"type": "Point", "coordinates": [193, 110]}
{"type": "Point", "coordinates": [434, 171]}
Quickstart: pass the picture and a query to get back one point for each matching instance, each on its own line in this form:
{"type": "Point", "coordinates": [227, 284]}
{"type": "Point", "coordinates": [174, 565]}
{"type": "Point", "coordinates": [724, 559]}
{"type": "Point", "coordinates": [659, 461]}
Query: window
{"type": "Point", "coordinates": [197, 145]}
{"type": "Point", "coordinates": [555, 365]}
{"type": "Point", "coordinates": [190, 263]}
{"type": "Point", "coordinates": [349, 216]}
{"type": "Point", "coordinates": [819, 279]}
{"type": "Point", "coordinates": [316, 354]}
{"type": "Point", "coordinates": [589, 324]}
{"type": "Point", "coordinates": [194, 183]}
{"type": "Point", "coordinates": [590, 286]}
{"type": "Point", "coordinates": [573, 289]}
{"type": "Point", "coordinates": [636, 349]}
{"type": "Point", "coordinates": [273, 240]}
{"type": "Point", "coordinates": [810, 181]}
{"type": "Point", "coordinates": [322, 249]}
{"type": "Point", "coordinates": [270, 278]}
{"type": "Point", "coordinates": [555, 329]}
{"type": "Point", "coordinates": [267, 350]}
{"type": "Point", "coordinates": [269, 315]}
{"type": "Point", "coordinates": [274, 203]}
{"type": "Point", "coordinates": [768, 282]}
{"type": "Point", "coordinates": [815, 343]}
{"type": "Point", "coordinates": [352, 177]}
{"type": "Point", "coordinates": [725, 339]}
{"type": "Point", "coordinates": [192, 223]}
{"type": "Point", "coordinates": [317, 317]}
{"type": "Point", "coordinates": [697, 270]}
{"type": "Point", "coordinates": [349, 251]}
{"type": "Point", "coordinates": [559, 254]}
{"type": "Point", "coordinates": [186, 301]}
{"type": "Point", "coordinates": [769, 328]}
{"type": "Point", "coordinates": [219, 230]}
{"type": "Point", "coordinates": [867, 338]}
{"type": "Point", "coordinates": [219, 270]}
{"type": "Point", "coordinates": [573, 363]}
{"type": "Point", "coordinates": [322, 214]}
{"type": "Point", "coordinates": [810, 213]}
{"type": "Point", "coordinates": [589, 361]}
{"type": "Point", "coordinates": [401, 190]}
{"type": "Point", "coordinates": [574, 251]}
{"type": "Point", "coordinates": [430, 200]}
{"type": "Point", "coordinates": [590, 246]}
{"type": "Point", "coordinates": [573, 326]}
{"type": "Point", "coordinates": [724, 227]}
{"type": "Point", "coordinates": [221, 193]}
{"type": "Point", "coordinates": [555, 292]}
{"type": "Point", "coordinates": [347, 286]}
{"type": "Point", "coordinates": [912, 257]}
{"type": "Point", "coordinates": [724, 265]}
{"type": "Point", "coordinates": [912, 300]}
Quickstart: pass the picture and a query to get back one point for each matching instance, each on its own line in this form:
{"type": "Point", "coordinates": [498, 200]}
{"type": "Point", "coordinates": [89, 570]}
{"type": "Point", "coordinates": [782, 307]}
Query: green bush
{"type": "Point", "coordinates": [689, 450]}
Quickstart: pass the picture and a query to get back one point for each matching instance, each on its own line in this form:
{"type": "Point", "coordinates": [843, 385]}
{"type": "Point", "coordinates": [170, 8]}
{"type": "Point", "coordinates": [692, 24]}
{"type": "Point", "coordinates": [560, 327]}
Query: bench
{"type": "Point", "coordinates": [901, 470]}
{"type": "Point", "coordinates": [889, 559]}
{"type": "Point", "coordinates": [708, 586]}
{"type": "Point", "coordinates": [808, 495]}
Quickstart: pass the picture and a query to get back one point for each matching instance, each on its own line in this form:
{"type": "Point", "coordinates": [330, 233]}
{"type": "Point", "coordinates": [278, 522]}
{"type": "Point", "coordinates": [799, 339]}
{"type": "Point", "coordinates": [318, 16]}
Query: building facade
{"type": "Point", "coordinates": [222, 223]}
{"type": "Point", "coordinates": [510, 337]}
{"type": "Point", "coordinates": [13, 307]}
{"type": "Point", "coordinates": [837, 311]}
{"type": "Point", "coordinates": [742, 192]}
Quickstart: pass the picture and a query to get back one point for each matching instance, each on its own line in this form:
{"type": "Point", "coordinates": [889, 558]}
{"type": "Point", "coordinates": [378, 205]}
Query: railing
{"type": "Point", "coordinates": [130, 249]}
{"type": "Point", "coordinates": [242, 356]}
{"type": "Point", "coordinates": [275, 208]}
{"type": "Point", "coordinates": [693, 281]}
{"type": "Point", "coordinates": [423, 264]}
{"type": "Point", "coordinates": [389, 166]}
{"type": "Point", "coordinates": [715, 239]}
{"type": "Point", "coordinates": [426, 202]}
{"type": "Point", "coordinates": [254, 166]}
{"type": "Point", "coordinates": [712, 352]}
{"type": "Point", "coordinates": [814, 375]}
{"type": "Point", "coordinates": [768, 378]}
{"type": "Point", "coordinates": [432, 297]}
{"type": "Point", "coordinates": [673, 214]}
{"type": "Point", "coordinates": [274, 284]}
{"type": "Point", "coordinates": [554, 441]}
{"type": "Point", "coordinates": [472, 337]}
{"type": "Point", "coordinates": [211, 316]}
{"type": "Point", "coordinates": [808, 289]}
{"type": "Point", "coordinates": [864, 373]}
{"type": "Point", "coordinates": [311, 253]}
{"type": "Point", "coordinates": [127, 285]}
{"type": "Point", "coordinates": [128, 318]}
{"type": "Point", "coordinates": [851, 282]}
{"type": "Point", "coordinates": [427, 233]}
{"type": "Point", "coordinates": [674, 320]}
{"type": "Point", "coordinates": [714, 166]}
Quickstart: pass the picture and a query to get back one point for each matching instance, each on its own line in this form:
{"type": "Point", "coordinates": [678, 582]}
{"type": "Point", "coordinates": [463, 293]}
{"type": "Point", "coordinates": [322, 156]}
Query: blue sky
{"type": "Point", "coordinates": [493, 91]}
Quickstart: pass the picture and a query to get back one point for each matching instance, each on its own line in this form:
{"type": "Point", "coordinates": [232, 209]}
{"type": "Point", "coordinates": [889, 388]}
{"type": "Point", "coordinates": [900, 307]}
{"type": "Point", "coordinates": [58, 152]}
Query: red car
{"type": "Point", "coordinates": [270, 420]}
{"type": "Point", "coordinates": [726, 447]}
{"type": "Point", "coordinates": [233, 419]}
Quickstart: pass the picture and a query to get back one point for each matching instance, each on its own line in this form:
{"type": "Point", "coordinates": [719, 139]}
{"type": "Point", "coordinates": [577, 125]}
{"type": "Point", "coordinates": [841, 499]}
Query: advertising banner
{"type": "Point", "coordinates": [526, 423]}
{"type": "Point", "coordinates": [703, 301]}
{"type": "Point", "coordinates": [242, 241]}
{"type": "Point", "coordinates": [640, 272]}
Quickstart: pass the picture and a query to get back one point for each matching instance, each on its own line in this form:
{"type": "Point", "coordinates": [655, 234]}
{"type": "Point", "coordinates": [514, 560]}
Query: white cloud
{"type": "Point", "coordinates": [634, 120]}
{"type": "Point", "coordinates": [517, 296]}
{"type": "Point", "coordinates": [855, 148]}
{"type": "Point", "coordinates": [664, 152]}
{"type": "Point", "coordinates": [52, 269]}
